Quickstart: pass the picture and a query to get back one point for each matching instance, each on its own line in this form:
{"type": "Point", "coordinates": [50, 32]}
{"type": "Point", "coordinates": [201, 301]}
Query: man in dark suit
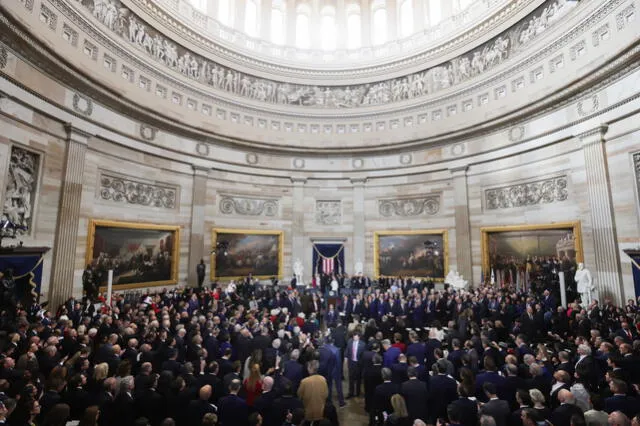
{"type": "Point", "coordinates": [264, 404]}
{"type": "Point", "coordinates": [562, 381]}
{"type": "Point", "coordinates": [561, 416]}
{"type": "Point", "coordinates": [565, 364]}
{"type": "Point", "coordinates": [210, 377]}
{"type": "Point", "coordinates": [620, 401]}
{"type": "Point", "coordinates": [399, 370]}
{"type": "Point", "coordinates": [148, 402]}
{"type": "Point", "coordinates": [416, 394]}
{"type": "Point", "coordinates": [442, 391]}
{"type": "Point", "coordinates": [201, 406]}
{"type": "Point", "coordinates": [626, 332]}
{"type": "Point", "coordinates": [383, 394]}
{"type": "Point", "coordinates": [76, 397]}
{"type": "Point", "coordinates": [416, 348]}
{"type": "Point", "coordinates": [233, 410]}
{"type": "Point", "coordinates": [354, 353]}
{"type": "Point", "coordinates": [468, 408]}
{"type": "Point", "coordinates": [489, 375]}
{"type": "Point", "coordinates": [372, 377]}
{"type": "Point", "coordinates": [124, 404]}
{"type": "Point", "coordinates": [293, 370]}
{"type": "Point", "coordinates": [497, 408]}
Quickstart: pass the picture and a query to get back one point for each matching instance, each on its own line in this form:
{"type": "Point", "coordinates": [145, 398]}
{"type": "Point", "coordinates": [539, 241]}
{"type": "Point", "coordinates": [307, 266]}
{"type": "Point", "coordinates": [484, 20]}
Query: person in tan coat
{"type": "Point", "coordinates": [313, 393]}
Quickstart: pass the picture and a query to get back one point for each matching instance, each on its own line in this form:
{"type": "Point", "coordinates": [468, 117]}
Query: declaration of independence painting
{"type": "Point", "coordinates": [141, 255]}
{"type": "Point", "coordinates": [243, 251]}
{"type": "Point", "coordinates": [421, 254]}
{"type": "Point", "coordinates": [520, 255]}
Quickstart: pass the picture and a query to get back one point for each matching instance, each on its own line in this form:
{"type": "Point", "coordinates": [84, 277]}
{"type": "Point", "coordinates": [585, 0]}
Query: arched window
{"type": "Point", "coordinates": [328, 28]}
{"type": "Point", "coordinates": [406, 18]}
{"type": "Point", "coordinates": [354, 30]}
{"type": "Point", "coordinates": [303, 36]}
{"type": "Point", "coordinates": [379, 27]}
{"type": "Point", "coordinates": [224, 12]}
{"type": "Point", "coordinates": [201, 5]}
{"type": "Point", "coordinates": [251, 18]}
{"type": "Point", "coordinates": [435, 12]}
{"type": "Point", "coordinates": [278, 25]}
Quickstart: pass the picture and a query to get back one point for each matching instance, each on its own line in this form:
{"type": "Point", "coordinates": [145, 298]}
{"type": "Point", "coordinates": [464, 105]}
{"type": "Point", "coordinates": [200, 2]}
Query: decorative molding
{"type": "Point", "coordinates": [357, 163]}
{"type": "Point", "coordinates": [82, 104]}
{"type": "Point", "coordinates": [148, 133]}
{"type": "Point", "coordinates": [28, 4]}
{"type": "Point", "coordinates": [130, 190]}
{"type": "Point", "coordinates": [129, 27]}
{"type": "Point", "coordinates": [4, 57]}
{"type": "Point", "coordinates": [458, 149]}
{"type": "Point", "coordinates": [21, 189]}
{"type": "Point", "coordinates": [248, 206]}
{"type": "Point", "coordinates": [251, 158]}
{"type": "Point", "coordinates": [527, 194]}
{"type": "Point", "coordinates": [516, 134]}
{"type": "Point", "coordinates": [626, 16]}
{"type": "Point", "coordinates": [298, 163]}
{"type": "Point", "coordinates": [406, 159]}
{"type": "Point", "coordinates": [410, 207]}
{"type": "Point", "coordinates": [588, 105]}
{"type": "Point", "coordinates": [328, 212]}
{"type": "Point", "coordinates": [202, 149]}
{"type": "Point", "coordinates": [595, 135]}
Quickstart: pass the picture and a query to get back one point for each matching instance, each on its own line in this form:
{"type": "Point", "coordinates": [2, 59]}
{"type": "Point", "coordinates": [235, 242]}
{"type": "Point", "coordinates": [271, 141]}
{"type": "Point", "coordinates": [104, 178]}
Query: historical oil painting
{"type": "Point", "coordinates": [140, 255]}
{"type": "Point", "coordinates": [421, 254]}
{"type": "Point", "coordinates": [240, 252]}
{"type": "Point", "coordinates": [523, 255]}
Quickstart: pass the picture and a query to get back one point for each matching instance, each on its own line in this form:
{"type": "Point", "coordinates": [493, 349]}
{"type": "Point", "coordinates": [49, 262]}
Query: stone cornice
{"type": "Point", "coordinates": [595, 135]}
{"type": "Point", "coordinates": [77, 135]}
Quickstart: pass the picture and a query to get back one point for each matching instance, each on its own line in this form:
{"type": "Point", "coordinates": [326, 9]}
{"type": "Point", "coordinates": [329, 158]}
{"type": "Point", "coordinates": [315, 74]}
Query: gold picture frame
{"type": "Point", "coordinates": [172, 276]}
{"type": "Point", "coordinates": [415, 243]}
{"type": "Point", "coordinates": [236, 236]}
{"type": "Point", "coordinates": [574, 227]}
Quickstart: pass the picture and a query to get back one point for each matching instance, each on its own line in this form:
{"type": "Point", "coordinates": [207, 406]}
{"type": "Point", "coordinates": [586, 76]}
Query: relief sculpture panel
{"type": "Point", "coordinates": [123, 189]}
{"type": "Point", "coordinates": [20, 190]}
{"type": "Point", "coordinates": [409, 207]}
{"type": "Point", "coordinates": [246, 206]}
{"type": "Point", "coordinates": [122, 21]}
{"type": "Point", "coordinates": [527, 194]}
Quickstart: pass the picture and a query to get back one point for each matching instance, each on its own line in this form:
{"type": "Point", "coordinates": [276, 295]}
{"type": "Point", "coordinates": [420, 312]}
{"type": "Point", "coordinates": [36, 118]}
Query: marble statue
{"type": "Point", "coordinates": [298, 269]}
{"type": "Point", "coordinates": [455, 280]}
{"type": "Point", "coordinates": [359, 268]}
{"type": "Point", "coordinates": [21, 186]}
{"type": "Point", "coordinates": [585, 284]}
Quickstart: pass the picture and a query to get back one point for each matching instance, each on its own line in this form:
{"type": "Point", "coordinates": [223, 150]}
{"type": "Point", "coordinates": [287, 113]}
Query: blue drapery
{"type": "Point", "coordinates": [330, 251]}
{"type": "Point", "coordinates": [636, 272]}
{"type": "Point", "coordinates": [27, 270]}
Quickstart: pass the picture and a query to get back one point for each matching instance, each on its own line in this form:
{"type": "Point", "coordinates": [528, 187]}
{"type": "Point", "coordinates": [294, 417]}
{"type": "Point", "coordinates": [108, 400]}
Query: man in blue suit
{"type": "Point", "coordinates": [293, 370]}
{"type": "Point", "coordinates": [391, 354]}
{"type": "Point", "coordinates": [233, 410]}
{"type": "Point", "coordinates": [416, 348]}
{"type": "Point", "coordinates": [354, 352]}
{"type": "Point", "coordinates": [620, 401]}
{"type": "Point", "coordinates": [442, 391]}
{"type": "Point", "coordinates": [489, 375]}
{"type": "Point", "coordinates": [331, 367]}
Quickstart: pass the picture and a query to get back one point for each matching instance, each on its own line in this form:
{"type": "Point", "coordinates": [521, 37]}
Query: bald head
{"type": "Point", "coordinates": [617, 418]}
{"type": "Point", "coordinates": [565, 397]}
{"type": "Point", "coordinates": [267, 384]}
{"type": "Point", "coordinates": [205, 392]}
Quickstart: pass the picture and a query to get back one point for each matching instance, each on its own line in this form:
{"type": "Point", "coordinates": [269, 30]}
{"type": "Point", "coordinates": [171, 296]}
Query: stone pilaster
{"type": "Point", "coordinates": [463, 228]}
{"type": "Point", "coordinates": [606, 273]}
{"type": "Point", "coordinates": [365, 22]}
{"type": "Point", "coordinates": [66, 240]}
{"type": "Point", "coordinates": [297, 227]}
{"type": "Point", "coordinates": [358, 224]}
{"type": "Point", "coordinates": [196, 239]}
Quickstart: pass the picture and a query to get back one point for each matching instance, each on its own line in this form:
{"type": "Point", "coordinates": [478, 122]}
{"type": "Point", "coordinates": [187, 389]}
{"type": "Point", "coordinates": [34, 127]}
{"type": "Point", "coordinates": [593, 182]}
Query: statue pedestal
{"type": "Point", "coordinates": [26, 263]}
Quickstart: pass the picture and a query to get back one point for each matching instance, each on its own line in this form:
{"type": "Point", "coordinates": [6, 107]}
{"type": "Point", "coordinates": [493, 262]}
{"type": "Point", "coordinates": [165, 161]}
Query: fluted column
{"type": "Point", "coordinates": [606, 276]}
{"type": "Point", "coordinates": [196, 239]}
{"type": "Point", "coordinates": [358, 222]}
{"type": "Point", "coordinates": [66, 242]}
{"type": "Point", "coordinates": [297, 226]}
{"type": "Point", "coordinates": [463, 228]}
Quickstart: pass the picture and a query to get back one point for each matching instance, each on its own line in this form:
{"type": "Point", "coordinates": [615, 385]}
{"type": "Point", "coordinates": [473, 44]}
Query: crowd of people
{"type": "Point", "coordinates": [408, 353]}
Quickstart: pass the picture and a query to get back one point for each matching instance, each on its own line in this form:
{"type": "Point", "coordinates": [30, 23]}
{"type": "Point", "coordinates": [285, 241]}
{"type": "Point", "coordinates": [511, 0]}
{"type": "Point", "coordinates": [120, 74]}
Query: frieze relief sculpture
{"type": "Point", "coordinates": [248, 206]}
{"type": "Point", "coordinates": [127, 190]}
{"type": "Point", "coordinates": [527, 194]}
{"type": "Point", "coordinates": [328, 212]}
{"type": "Point", "coordinates": [20, 192]}
{"type": "Point", "coordinates": [409, 207]}
{"type": "Point", "coordinates": [123, 22]}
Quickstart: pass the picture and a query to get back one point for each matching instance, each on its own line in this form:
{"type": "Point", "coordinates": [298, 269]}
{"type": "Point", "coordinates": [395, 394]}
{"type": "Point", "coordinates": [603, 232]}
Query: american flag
{"type": "Point", "coordinates": [327, 265]}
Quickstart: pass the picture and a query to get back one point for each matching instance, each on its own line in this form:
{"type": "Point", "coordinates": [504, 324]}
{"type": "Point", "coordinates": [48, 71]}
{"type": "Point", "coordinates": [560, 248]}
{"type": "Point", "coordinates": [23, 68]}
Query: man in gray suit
{"type": "Point", "coordinates": [496, 408]}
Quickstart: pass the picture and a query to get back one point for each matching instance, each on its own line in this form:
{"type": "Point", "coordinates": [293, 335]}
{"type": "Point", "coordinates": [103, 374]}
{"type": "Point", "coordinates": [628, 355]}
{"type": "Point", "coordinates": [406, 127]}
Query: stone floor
{"type": "Point", "coordinates": [353, 413]}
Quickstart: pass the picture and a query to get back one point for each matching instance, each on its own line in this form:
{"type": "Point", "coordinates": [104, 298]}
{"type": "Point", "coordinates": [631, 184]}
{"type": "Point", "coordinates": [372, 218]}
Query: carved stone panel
{"type": "Point", "coordinates": [328, 212]}
{"type": "Point", "coordinates": [409, 207]}
{"type": "Point", "coordinates": [527, 194]}
{"type": "Point", "coordinates": [124, 189]}
{"type": "Point", "coordinates": [20, 191]}
{"type": "Point", "coordinates": [246, 206]}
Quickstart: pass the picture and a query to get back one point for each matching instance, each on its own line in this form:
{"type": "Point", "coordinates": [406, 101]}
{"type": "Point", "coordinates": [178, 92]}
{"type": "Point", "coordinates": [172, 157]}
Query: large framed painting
{"type": "Point", "coordinates": [140, 254]}
{"type": "Point", "coordinates": [521, 254]}
{"type": "Point", "coordinates": [243, 251]}
{"type": "Point", "coordinates": [421, 254]}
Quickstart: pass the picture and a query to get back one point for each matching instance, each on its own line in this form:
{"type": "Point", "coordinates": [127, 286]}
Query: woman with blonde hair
{"type": "Point", "coordinates": [253, 384]}
{"type": "Point", "coordinates": [538, 404]}
{"type": "Point", "coordinates": [400, 415]}
{"type": "Point", "coordinates": [95, 383]}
